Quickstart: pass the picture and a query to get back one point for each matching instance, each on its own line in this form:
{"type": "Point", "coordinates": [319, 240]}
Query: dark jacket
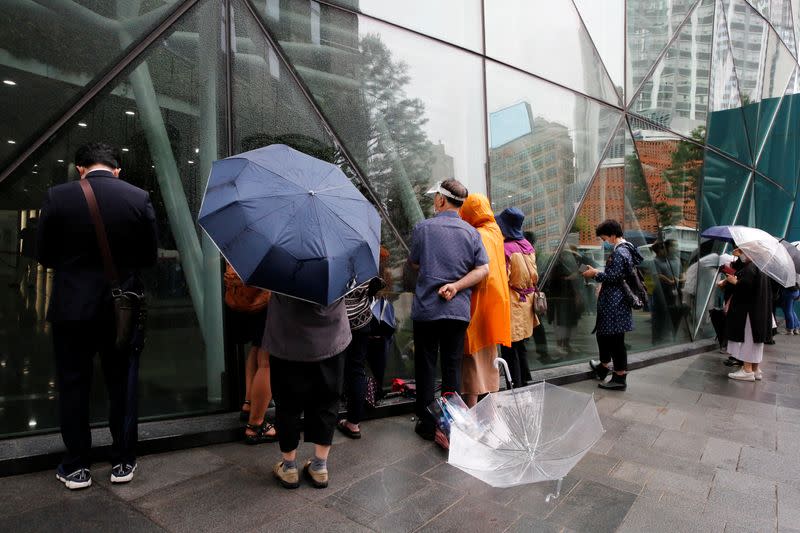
{"type": "Point", "coordinates": [752, 295]}
{"type": "Point", "coordinates": [66, 242]}
{"type": "Point", "coordinates": [613, 313]}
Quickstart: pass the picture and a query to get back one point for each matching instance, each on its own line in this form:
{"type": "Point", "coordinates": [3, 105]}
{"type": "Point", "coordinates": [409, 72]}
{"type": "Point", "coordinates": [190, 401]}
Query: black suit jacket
{"type": "Point", "coordinates": [66, 242]}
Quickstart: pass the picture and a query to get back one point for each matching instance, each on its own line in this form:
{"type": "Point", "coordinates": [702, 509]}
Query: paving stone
{"type": "Point", "coordinates": [661, 461]}
{"type": "Point", "coordinates": [532, 499]}
{"type": "Point", "coordinates": [717, 401]}
{"type": "Point", "coordinates": [640, 434]}
{"type": "Point", "coordinates": [651, 516]}
{"type": "Point", "coordinates": [788, 414]}
{"type": "Point", "coordinates": [421, 462]}
{"type": "Point", "coordinates": [788, 506]}
{"type": "Point", "coordinates": [592, 507]}
{"type": "Point", "coordinates": [678, 483]}
{"type": "Point", "coordinates": [527, 524]}
{"type": "Point", "coordinates": [632, 472]}
{"type": "Point", "coordinates": [732, 505]}
{"type": "Point", "coordinates": [721, 453]}
{"type": "Point", "coordinates": [19, 494]}
{"type": "Point", "coordinates": [788, 440]}
{"type": "Point", "coordinates": [97, 511]}
{"type": "Point", "coordinates": [418, 509]}
{"type": "Point", "coordinates": [155, 472]}
{"type": "Point", "coordinates": [608, 405]}
{"type": "Point", "coordinates": [313, 517]}
{"type": "Point", "coordinates": [670, 418]}
{"type": "Point", "coordinates": [686, 445]}
{"type": "Point", "coordinates": [226, 500]}
{"type": "Point", "coordinates": [637, 411]}
{"type": "Point", "coordinates": [473, 515]}
{"type": "Point", "coordinates": [456, 479]}
{"type": "Point", "coordinates": [761, 410]}
{"type": "Point", "coordinates": [745, 483]}
{"type": "Point", "coordinates": [598, 468]}
{"type": "Point", "coordinates": [770, 465]}
{"type": "Point", "coordinates": [378, 493]}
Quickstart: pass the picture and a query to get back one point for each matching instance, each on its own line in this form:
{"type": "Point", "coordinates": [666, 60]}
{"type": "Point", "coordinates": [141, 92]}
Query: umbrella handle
{"type": "Point", "coordinates": [552, 496]}
{"type": "Point", "coordinates": [497, 363]}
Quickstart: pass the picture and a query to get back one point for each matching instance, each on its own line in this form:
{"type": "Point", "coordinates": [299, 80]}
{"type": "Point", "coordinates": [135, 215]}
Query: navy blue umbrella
{"type": "Point", "coordinates": [291, 223]}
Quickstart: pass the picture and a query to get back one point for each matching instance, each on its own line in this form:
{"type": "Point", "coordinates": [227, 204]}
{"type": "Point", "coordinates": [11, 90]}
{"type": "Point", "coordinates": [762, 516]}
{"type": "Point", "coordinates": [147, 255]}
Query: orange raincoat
{"type": "Point", "coordinates": [491, 304]}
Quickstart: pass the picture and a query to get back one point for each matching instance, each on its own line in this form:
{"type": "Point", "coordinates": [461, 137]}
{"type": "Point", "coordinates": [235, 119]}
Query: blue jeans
{"type": "Point", "coordinates": [787, 303]}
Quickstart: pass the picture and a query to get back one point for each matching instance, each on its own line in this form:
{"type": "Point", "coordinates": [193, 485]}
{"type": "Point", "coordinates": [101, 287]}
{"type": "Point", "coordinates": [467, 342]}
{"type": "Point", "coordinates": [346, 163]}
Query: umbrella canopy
{"type": "Point", "coordinates": [762, 248]}
{"type": "Point", "coordinates": [291, 223]}
{"type": "Point", "coordinates": [794, 253]}
{"type": "Point", "coordinates": [526, 435]}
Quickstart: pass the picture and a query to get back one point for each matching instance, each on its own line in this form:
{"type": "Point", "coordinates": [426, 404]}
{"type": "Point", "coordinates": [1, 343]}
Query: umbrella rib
{"type": "Point", "coordinates": [250, 224]}
{"type": "Point", "coordinates": [287, 180]}
{"type": "Point", "coordinates": [333, 213]}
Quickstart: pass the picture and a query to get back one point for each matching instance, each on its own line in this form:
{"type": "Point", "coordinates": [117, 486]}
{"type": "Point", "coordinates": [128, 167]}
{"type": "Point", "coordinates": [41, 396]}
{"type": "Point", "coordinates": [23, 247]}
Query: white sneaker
{"type": "Point", "coordinates": [758, 375]}
{"type": "Point", "coordinates": [741, 375]}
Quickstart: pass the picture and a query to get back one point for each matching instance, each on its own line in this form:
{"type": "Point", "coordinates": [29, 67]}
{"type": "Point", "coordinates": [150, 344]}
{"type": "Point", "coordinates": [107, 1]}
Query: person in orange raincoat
{"type": "Point", "coordinates": [490, 322]}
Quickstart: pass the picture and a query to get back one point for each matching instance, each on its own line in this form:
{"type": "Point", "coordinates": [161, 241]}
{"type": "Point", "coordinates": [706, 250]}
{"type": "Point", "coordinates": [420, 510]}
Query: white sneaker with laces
{"type": "Point", "coordinates": [741, 375]}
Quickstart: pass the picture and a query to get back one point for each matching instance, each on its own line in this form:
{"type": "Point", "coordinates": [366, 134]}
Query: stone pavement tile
{"type": "Point", "coordinates": [528, 524]}
{"type": "Point", "coordinates": [155, 472]}
{"type": "Point", "coordinates": [678, 484]}
{"type": "Point", "coordinates": [762, 410]}
{"type": "Point", "coordinates": [651, 516]}
{"type": "Point", "coordinates": [788, 401]}
{"type": "Point", "coordinates": [670, 418]}
{"type": "Point", "coordinates": [421, 462]}
{"type": "Point", "coordinates": [592, 507]}
{"type": "Point", "coordinates": [788, 506]}
{"type": "Point", "coordinates": [639, 433]}
{"type": "Point", "coordinates": [637, 411]}
{"type": "Point", "coordinates": [721, 453]}
{"type": "Point", "coordinates": [770, 465]}
{"type": "Point", "coordinates": [608, 405]}
{"type": "Point", "coordinates": [531, 499]}
{"type": "Point", "coordinates": [473, 515]}
{"type": "Point", "coordinates": [661, 461]}
{"type": "Point", "coordinates": [681, 444]}
{"type": "Point", "coordinates": [788, 414]}
{"type": "Point", "coordinates": [451, 476]}
{"type": "Point", "coordinates": [99, 511]}
{"type": "Point", "coordinates": [225, 500]}
{"type": "Point", "coordinates": [734, 427]}
{"type": "Point", "coordinates": [417, 510]}
{"type": "Point", "coordinates": [747, 484]}
{"type": "Point", "coordinates": [312, 517]}
{"type": "Point", "coordinates": [375, 495]}
{"type": "Point", "coordinates": [598, 468]}
{"type": "Point", "coordinates": [632, 472]}
{"type": "Point", "coordinates": [749, 525]}
{"type": "Point", "coordinates": [717, 401]}
{"type": "Point", "coordinates": [19, 494]}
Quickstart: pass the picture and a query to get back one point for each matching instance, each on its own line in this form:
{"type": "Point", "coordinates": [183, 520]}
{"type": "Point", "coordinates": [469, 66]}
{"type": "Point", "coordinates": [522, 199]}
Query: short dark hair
{"type": "Point", "coordinates": [96, 153]}
{"type": "Point", "coordinates": [609, 228]}
{"type": "Point", "coordinates": [457, 189]}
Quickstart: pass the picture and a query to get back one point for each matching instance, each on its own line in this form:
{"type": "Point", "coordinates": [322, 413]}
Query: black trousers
{"type": "Point", "coordinates": [517, 358]}
{"type": "Point", "coordinates": [74, 345]}
{"type": "Point", "coordinates": [355, 374]}
{"type": "Point", "coordinates": [612, 348]}
{"type": "Point", "coordinates": [311, 390]}
{"type": "Point", "coordinates": [432, 339]}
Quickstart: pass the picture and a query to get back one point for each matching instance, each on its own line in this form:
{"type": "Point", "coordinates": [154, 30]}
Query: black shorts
{"type": "Point", "coordinates": [246, 328]}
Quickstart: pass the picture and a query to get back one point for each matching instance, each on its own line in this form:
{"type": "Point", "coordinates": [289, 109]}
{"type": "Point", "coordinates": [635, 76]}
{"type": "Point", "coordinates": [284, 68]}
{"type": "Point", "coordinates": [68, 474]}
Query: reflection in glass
{"type": "Point", "coordinates": [779, 156]}
{"type": "Point", "coordinates": [545, 145]}
{"type": "Point", "coordinates": [52, 51]}
{"type": "Point", "coordinates": [726, 126]}
{"type": "Point", "coordinates": [780, 15]}
{"type": "Point", "coordinates": [773, 207]}
{"type": "Point", "coordinates": [650, 26]}
{"type": "Point", "coordinates": [675, 93]}
{"type": "Point", "coordinates": [605, 22]}
{"type": "Point", "coordinates": [519, 32]}
{"type": "Point", "coordinates": [455, 21]}
{"type": "Point", "coordinates": [167, 138]}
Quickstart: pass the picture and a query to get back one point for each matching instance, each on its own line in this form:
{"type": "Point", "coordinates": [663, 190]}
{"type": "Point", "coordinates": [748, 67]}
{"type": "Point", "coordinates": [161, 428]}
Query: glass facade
{"type": "Point", "coordinates": [669, 116]}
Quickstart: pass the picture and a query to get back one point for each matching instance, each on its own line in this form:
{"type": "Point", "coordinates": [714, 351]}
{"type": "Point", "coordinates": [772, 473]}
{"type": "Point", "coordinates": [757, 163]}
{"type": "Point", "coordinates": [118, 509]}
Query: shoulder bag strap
{"type": "Point", "coordinates": [100, 231]}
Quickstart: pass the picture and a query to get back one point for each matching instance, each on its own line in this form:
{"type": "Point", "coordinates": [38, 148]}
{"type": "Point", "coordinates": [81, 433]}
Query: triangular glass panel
{"type": "Point", "coordinates": [521, 32]}
{"type": "Point", "coordinates": [762, 6]}
{"type": "Point", "coordinates": [779, 156]}
{"type": "Point", "coordinates": [650, 27]}
{"type": "Point", "coordinates": [772, 207]}
{"type": "Point", "coordinates": [793, 231]}
{"type": "Point", "coordinates": [675, 94]}
{"type": "Point", "coordinates": [52, 54]}
{"type": "Point", "coordinates": [372, 82]}
{"type": "Point", "coordinates": [726, 126]}
{"type": "Point", "coordinates": [545, 145]}
{"type": "Point", "coordinates": [747, 207]}
{"type": "Point", "coordinates": [605, 22]}
{"type": "Point", "coordinates": [763, 70]}
{"type": "Point", "coordinates": [782, 19]}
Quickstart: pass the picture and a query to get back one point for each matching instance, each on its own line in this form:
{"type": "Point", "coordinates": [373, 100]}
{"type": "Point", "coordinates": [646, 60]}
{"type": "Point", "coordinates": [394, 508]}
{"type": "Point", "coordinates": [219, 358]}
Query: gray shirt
{"type": "Point", "coordinates": [446, 249]}
{"type": "Point", "coordinates": [300, 331]}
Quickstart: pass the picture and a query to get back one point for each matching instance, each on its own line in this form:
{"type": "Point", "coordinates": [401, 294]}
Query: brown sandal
{"type": "Point", "coordinates": [261, 433]}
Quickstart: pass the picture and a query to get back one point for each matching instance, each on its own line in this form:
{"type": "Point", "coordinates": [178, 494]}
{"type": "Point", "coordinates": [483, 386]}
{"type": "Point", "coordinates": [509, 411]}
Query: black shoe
{"type": "Point", "coordinates": [79, 479]}
{"type": "Point", "coordinates": [600, 371]}
{"type": "Point", "coordinates": [122, 473]}
{"type": "Point", "coordinates": [260, 433]}
{"type": "Point", "coordinates": [618, 382]}
{"type": "Point", "coordinates": [425, 431]}
{"type": "Point", "coordinates": [732, 361]}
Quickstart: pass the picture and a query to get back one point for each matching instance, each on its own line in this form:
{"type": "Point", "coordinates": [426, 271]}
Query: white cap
{"type": "Point", "coordinates": [444, 192]}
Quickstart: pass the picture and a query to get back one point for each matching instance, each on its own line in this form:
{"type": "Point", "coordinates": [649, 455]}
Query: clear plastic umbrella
{"type": "Point", "coordinates": [766, 252]}
{"type": "Point", "coordinates": [526, 435]}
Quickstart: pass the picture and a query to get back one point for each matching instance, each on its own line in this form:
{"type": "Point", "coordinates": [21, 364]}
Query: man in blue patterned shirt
{"type": "Point", "coordinates": [450, 258]}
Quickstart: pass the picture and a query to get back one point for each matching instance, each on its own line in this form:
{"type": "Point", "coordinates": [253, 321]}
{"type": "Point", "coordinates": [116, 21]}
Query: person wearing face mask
{"type": "Point", "coordinates": [749, 317]}
{"type": "Point", "coordinates": [614, 315]}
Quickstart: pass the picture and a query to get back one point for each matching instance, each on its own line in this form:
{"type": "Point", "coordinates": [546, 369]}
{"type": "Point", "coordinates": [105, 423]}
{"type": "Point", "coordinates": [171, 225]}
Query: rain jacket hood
{"type": "Point", "coordinates": [477, 212]}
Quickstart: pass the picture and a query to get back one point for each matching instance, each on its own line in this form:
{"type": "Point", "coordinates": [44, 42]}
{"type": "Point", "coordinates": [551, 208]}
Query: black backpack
{"type": "Point", "coordinates": [633, 287]}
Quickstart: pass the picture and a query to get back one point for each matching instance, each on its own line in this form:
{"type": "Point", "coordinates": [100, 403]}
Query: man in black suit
{"type": "Point", "coordinates": [81, 308]}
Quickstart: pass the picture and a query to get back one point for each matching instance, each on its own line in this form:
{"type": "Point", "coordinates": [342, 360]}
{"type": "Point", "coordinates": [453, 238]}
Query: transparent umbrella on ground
{"type": "Point", "coordinates": [766, 252]}
{"type": "Point", "coordinates": [525, 435]}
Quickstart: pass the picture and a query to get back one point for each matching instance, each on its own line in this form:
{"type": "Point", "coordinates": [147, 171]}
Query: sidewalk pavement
{"type": "Point", "coordinates": [685, 449]}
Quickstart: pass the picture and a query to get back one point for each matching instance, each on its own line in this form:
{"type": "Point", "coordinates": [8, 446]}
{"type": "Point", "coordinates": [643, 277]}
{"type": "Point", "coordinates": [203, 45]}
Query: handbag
{"type": "Point", "coordinates": [539, 302]}
{"type": "Point", "coordinates": [130, 306]}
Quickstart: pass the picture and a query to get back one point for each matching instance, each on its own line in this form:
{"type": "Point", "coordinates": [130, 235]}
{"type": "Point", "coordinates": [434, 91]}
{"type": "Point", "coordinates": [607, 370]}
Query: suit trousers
{"type": "Point", "coordinates": [612, 348]}
{"type": "Point", "coordinates": [434, 338]}
{"type": "Point", "coordinates": [75, 343]}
